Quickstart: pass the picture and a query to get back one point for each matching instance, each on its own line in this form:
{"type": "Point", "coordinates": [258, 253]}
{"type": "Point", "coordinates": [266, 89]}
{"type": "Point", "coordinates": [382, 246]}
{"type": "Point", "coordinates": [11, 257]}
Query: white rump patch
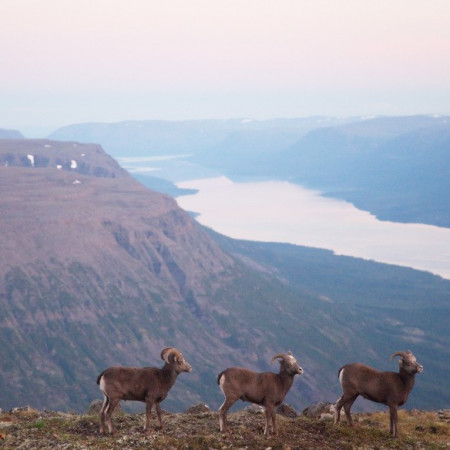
{"type": "Point", "coordinates": [102, 384]}
{"type": "Point", "coordinates": [341, 376]}
{"type": "Point", "coordinates": [73, 164]}
{"type": "Point", "coordinates": [59, 167]}
{"type": "Point", "coordinates": [31, 159]}
{"type": "Point", "coordinates": [222, 382]}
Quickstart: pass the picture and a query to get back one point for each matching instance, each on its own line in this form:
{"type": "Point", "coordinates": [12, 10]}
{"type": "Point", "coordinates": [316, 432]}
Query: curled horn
{"type": "Point", "coordinates": [278, 356]}
{"type": "Point", "coordinates": [168, 352]}
{"type": "Point", "coordinates": [402, 354]}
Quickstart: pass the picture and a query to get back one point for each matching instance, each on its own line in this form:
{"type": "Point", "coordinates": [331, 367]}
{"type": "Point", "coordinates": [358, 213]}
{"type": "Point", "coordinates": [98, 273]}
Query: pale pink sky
{"type": "Point", "coordinates": [65, 61]}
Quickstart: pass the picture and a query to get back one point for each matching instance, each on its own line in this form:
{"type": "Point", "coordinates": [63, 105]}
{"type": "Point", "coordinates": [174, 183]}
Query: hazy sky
{"type": "Point", "coordinates": [69, 61]}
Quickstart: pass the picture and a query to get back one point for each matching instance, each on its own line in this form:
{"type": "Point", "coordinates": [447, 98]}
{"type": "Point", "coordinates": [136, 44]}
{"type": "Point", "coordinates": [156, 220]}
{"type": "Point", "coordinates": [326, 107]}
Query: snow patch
{"type": "Point", "coordinates": [73, 164]}
{"type": "Point", "coordinates": [76, 182]}
{"type": "Point", "coordinates": [59, 166]}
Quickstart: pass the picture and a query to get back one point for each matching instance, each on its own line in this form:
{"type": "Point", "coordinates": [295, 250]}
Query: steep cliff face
{"type": "Point", "coordinates": [92, 268]}
{"type": "Point", "coordinates": [85, 159]}
{"type": "Point", "coordinates": [50, 214]}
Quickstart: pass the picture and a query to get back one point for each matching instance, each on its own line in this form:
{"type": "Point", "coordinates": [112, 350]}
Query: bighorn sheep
{"type": "Point", "coordinates": [390, 388]}
{"type": "Point", "coordinates": [266, 389]}
{"type": "Point", "coordinates": [147, 384]}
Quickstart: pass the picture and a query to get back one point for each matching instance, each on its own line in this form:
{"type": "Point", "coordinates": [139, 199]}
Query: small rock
{"type": "Point", "coordinates": [444, 414]}
{"type": "Point", "coordinates": [253, 409]}
{"type": "Point", "coordinates": [95, 407]}
{"type": "Point", "coordinates": [198, 409]}
{"type": "Point", "coordinates": [287, 411]}
{"type": "Point", "coordinates": [19, 409]}
{"type": "Point", "coordinates": [320, 410]}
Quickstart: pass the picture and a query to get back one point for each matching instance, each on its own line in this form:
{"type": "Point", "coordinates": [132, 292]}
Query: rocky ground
{"type": "Point", "coordinates": [26, 428]}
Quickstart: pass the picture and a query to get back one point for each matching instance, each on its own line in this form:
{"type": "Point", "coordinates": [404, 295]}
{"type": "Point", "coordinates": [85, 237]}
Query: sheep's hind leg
{"type": "Point", "coordinates": [337, 410]}
{"type": "Point", "coordinates": [347, 408]}
{"type": "Point", "coordinates": [102, 414]}
{"type": "Point", "coordinates": [226, 405]}
{"type": "Point", "coordinates": [346, 402]}
{"type": "Point", "coordinates": [108, 412]}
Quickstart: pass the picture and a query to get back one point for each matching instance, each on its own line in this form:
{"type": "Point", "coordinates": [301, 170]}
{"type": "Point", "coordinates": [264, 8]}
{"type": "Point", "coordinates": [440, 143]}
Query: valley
{"type": "Point", "coordinates": [96, 270]}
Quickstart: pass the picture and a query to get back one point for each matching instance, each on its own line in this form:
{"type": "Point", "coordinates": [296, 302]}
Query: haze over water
{"type": "Point", "coordinates": [276, 211]}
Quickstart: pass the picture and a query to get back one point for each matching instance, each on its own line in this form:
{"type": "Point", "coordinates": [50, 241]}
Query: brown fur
{"type": "Point", "coordinates": [148, 384]}
{"type": "Point", "coordinates": [266, 389]}
{"type": "Point", "coordinates": [389, 388]}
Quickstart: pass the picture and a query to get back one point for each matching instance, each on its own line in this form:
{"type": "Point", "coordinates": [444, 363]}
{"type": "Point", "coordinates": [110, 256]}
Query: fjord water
{"type": "Point", "coordinates": [276, 211]}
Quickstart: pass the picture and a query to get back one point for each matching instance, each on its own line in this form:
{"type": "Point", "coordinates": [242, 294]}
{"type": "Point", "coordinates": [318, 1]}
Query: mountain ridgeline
{"type": "Point", "coordinates": [395, 167]}
{"type": "Point", "coordinates": [10, 134]}
{"type": "Point", "coordinates": [97, 270]}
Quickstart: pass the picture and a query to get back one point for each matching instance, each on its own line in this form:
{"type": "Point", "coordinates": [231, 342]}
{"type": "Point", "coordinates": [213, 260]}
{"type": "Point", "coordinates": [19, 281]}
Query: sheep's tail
{"type": "Point", "coordinates": [341, 373]}
{"type": "Point", "coordinates": [100, 377]}
{"type": "Point", "coordinates": [219, 376]}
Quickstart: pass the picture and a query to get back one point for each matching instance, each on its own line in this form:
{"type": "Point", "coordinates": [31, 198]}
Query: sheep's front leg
{"type": "Point", "coordinates": [148, 415]}
{"type": "Point", "coordinates": [158, 413]}
{"type": "Point", "coordinates": [393, 420]}
{"type": "Point", "coordinates": [269, 410]}
{"type": "Point", "coordinates": [274, 423]}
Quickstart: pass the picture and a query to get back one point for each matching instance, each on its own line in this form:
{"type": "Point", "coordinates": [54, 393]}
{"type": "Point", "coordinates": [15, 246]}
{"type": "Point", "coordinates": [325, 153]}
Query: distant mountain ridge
{"type": "Point", "coordinates": [394, 167]}
{"type": "Point", "coordinates": [398, 171]}
{"type": "Point", "coordinates": [162, 137]}
{"type": "Point", "coordinates": [10, 134]}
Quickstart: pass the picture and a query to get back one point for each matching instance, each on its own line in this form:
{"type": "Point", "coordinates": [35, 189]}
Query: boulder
{"type": "Point", "coordinates": [320, 410]}
{"type": "Point", "coordinates": [198, 409]}
{"type": "Point", "coordinates": [287, 411]}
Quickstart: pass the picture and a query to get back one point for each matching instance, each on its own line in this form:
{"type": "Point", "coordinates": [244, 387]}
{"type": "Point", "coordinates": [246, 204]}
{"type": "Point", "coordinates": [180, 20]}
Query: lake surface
{"type": "Point", "coordinates": [276, 211]}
